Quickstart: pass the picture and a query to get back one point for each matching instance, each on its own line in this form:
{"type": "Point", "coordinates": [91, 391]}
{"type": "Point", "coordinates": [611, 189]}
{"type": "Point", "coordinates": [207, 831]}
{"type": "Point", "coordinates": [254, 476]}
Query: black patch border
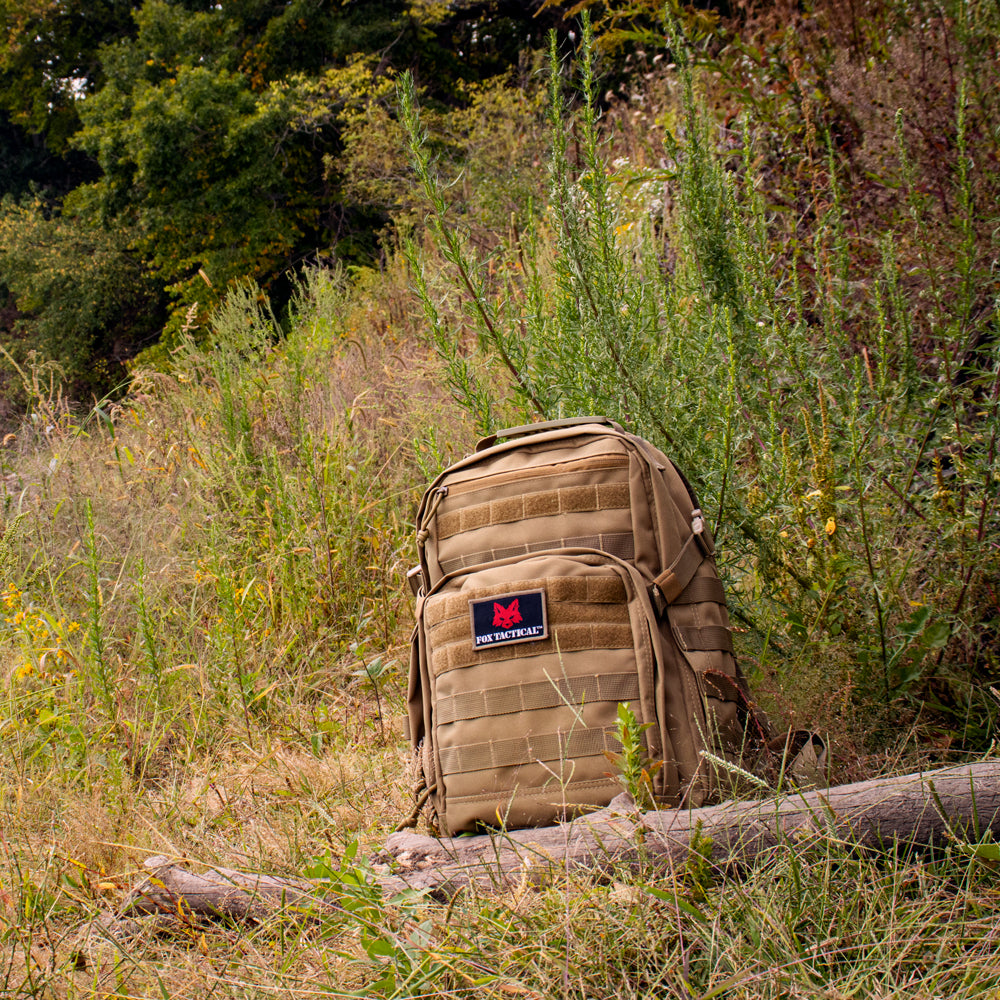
{"type": "Point", "coordinates": [507, 597]}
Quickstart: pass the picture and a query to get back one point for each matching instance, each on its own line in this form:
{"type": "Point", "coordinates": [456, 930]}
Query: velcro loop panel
{"type": "Point", "coordinates": [537, 695]}
{"type": "Point", "coordinates": [456, 628]}
{"type": "Point", "coordinates": [545, 747]}
{"type": "Point", "coordinates": [702, 588]}
{"type": "Point", "coordinates": [709, 638]}
{"type": "Point", "coordinates": [550, 503]}
{"type": "Point", "coordinates": [620, 544]}
{"type": "Point", "coordinates": [558, 590]}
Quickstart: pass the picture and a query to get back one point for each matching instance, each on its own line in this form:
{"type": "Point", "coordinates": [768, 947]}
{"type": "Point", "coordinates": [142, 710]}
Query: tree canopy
{"type": "Point", "coordinates": [199, 144]}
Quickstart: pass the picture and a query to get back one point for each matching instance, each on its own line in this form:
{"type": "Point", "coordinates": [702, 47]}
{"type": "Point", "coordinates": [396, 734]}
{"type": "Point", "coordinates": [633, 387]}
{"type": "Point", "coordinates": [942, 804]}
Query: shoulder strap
{"type": "Point", "coordinates": [674, 580]}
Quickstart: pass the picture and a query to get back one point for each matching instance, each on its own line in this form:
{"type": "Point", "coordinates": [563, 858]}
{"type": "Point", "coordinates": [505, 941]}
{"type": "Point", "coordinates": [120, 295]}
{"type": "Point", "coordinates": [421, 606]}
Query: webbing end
{"type": "Point", "coordinates": [701, 534]}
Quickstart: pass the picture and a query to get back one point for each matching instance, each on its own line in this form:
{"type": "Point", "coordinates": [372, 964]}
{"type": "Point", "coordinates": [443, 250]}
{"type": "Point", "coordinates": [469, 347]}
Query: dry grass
{"type": "Point", "coordinates": [203, 644]}
{"type": "Point", "coordinates": [195, 582]}
{"type": "Point", "coordinates": [133, 734]}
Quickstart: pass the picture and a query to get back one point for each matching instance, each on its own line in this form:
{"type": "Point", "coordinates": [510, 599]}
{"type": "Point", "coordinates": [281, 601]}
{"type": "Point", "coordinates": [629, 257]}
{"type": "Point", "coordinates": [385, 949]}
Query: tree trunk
{"type": "Point", "coordinates": [920, 809]}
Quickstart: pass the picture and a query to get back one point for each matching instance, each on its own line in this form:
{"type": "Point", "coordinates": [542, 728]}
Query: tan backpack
{"type": "Point", "coordinates": [565, 570]}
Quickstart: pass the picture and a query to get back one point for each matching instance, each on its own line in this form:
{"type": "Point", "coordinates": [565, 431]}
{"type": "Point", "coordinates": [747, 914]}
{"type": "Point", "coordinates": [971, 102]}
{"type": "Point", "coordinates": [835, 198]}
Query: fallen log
{"type": "Point", "coordinates": [921, 809]}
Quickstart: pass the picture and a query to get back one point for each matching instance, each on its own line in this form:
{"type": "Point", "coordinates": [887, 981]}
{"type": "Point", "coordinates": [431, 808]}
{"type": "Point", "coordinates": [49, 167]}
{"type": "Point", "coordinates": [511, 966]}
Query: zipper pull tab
{"type": "Point", "coordinates": [440, 492]}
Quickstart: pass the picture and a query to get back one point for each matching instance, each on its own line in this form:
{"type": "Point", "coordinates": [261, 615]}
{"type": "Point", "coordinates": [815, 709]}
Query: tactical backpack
{"type": "Point", "coordinates": [566, 568]}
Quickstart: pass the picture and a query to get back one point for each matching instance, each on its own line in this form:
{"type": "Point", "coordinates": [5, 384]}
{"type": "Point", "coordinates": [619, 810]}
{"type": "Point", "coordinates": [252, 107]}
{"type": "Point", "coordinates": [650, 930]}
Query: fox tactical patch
{"type": "Point", "coordinates": [508, 618]}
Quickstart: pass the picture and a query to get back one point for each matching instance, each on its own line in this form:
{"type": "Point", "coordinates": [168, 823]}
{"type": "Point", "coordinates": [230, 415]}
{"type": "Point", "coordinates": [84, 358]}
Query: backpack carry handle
{"type": "Point", "coordinates": [545, 425]}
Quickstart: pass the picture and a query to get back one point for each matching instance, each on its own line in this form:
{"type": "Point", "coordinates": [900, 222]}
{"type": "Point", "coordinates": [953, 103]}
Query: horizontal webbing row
{"type": "Point", "coordinates": [537, 695]}
{"type": "Point", "coordinates": [520, 750]}
{"type": "Point", "coordinates": [620, 544]}
{"type": "Point", "coordinates": [548, 503]}
{"type": "Point", "coordinates": [569, 639]}
{"type": "Point", "coordinates": [534, 479]}
{"type": "Point", "coordinates": [710, 637]}
{"type": "Point", "coordinates": [702, 588]}
{"type": "Point", "coordinates": [606, 589]}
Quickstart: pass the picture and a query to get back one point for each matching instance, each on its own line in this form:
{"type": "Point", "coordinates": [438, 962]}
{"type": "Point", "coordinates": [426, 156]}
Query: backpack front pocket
{"type": "Point", "coordinates": [528, 660]}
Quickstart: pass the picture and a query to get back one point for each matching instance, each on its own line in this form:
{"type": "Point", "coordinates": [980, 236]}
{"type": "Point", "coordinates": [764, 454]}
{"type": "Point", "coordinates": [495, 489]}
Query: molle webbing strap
{"type": "Point", "coordinates": [673, 581]}
{"type": "Point", "coordinates": [702, 588]}
{"type": "Point", "coordinates": [521, 750]}
{"type": "Point", "coordinates": [548, 503]}
{"type": "Point", "coordinates": [567, 639]}
{"type": "Point", "coordinates": [711, 637]}
{"type": "Point", "coordinates": [620, 544]}
{"type": "Point", "coordinates": [558, 590]}
{"type": "Point", "coordinates": [538, 694]}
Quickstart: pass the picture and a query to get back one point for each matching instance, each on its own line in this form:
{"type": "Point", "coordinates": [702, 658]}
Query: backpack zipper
{"type": "Point", "coordinates": [438, 494]}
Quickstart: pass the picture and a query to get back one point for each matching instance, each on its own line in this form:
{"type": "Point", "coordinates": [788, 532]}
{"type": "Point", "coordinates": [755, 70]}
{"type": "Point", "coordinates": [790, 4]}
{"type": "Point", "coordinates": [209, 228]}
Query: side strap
{"type": "Point", "coordinates": [702, 588]}
{"type": "Point", "coordinates": [673, 581]}
{"type": "Point", "coordinates": [710, 637]}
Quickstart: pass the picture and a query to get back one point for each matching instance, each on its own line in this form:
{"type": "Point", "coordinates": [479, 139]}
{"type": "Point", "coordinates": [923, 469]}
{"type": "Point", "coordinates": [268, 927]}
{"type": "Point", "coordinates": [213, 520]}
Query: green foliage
{"type": "Point", "coordinates": [291, 544]}
{"type": "Point", "coordinates": [676, 299]}
{"type": "Point", "coordinates": [216, 134]}
{"type": "Point", "coordinates": [28, 166]}
{"type": "Point", "coordinates": [49, 58]}
{"type": "Point", "coordinates": [396, 935]}
{"type": "Point", "coordinates": [203, 615]}
{"type": "Point", "coordinates": [91, 300]}
{"type": "Point", "coordinates": [635, 769]}
{"type": "Point", "coordinates": [487, 152]}
{"type": "Point", "coordinates": [191, 157]}
{"type": "Point", "coordinates": [817, 920]}
{"type": "Point", "coordinates": [200, 585]}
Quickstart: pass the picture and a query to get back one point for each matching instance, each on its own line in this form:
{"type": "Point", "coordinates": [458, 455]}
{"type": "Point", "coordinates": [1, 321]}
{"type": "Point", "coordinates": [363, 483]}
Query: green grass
{"type": "Point", "coordinates": [204, 623]}
{"type": "Point", "coordinates": [180, 677]}
{"type": "Point", "coordinates": [204, 616]}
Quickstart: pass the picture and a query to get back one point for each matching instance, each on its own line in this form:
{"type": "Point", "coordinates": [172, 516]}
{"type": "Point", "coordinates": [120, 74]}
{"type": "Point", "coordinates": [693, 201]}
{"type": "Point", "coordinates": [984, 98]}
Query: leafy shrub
{"type": "Point", "coordinates": [85, 300]}
{"type": "Point", "coordinates": [848, 465]}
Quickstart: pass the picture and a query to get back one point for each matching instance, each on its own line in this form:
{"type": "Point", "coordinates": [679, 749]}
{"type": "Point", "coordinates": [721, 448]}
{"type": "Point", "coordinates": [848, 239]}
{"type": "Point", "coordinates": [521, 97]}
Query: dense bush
{"type": "Point", "coordinates": [839, 419]}
{"type": "Point", "coordinates": [197, 145]}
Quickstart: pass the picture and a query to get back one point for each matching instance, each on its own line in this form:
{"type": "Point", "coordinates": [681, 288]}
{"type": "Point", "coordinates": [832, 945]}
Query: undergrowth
{"type": "Point", "coordinates": [838, 427]}
{"type": "Point", "coordinates": [203, 622]}
{"type": "Point", "coordinates": [203, 611]}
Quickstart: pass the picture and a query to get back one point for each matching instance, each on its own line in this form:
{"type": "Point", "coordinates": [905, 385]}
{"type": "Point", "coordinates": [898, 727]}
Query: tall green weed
{"type": "Point", "coordinates": [849, 477]}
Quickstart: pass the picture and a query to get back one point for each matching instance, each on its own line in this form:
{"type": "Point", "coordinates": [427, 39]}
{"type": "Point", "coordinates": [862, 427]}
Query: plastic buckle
{"type": "Point", "coordinates": [700, 535]}
{"type": "Point", "coordinates": [659, 601]}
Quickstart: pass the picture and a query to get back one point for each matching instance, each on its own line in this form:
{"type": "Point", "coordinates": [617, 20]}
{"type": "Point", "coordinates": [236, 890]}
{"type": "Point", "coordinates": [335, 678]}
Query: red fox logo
{"type": "Point", "coordinates": [506, 617]}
